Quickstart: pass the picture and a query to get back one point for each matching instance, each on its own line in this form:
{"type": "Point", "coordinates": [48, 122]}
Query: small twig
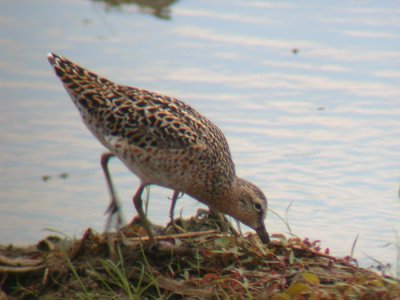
{"type": "Point", "coordinates": [45, 278]}
{"type": "Point", "coordinates": [21, 269]}
{"type": "Point", "coordinates": [180, 288]}
{"type": "Point", "coordinates": [25, 262]}
{"type": "Point", "coordinates": [173, 236]}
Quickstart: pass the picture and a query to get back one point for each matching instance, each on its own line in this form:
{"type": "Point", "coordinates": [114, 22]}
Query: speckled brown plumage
{"type": "Point", "coordinates": [163, 141]}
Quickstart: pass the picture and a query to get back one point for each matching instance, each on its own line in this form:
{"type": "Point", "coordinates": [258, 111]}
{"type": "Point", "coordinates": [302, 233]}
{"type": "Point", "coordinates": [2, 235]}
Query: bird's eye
{"type": "Point", "coordinates": [257, 206]}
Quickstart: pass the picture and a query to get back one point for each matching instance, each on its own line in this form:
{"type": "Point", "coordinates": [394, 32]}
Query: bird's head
{"type": "Point", "coordinates": [250, 207]}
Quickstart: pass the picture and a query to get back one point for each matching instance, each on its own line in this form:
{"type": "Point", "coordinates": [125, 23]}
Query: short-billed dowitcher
{"type": "Point", "coordinates": [164, 142]}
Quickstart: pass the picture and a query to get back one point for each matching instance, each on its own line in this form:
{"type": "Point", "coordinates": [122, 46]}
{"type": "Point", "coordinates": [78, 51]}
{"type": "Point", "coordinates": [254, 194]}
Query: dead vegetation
{"type": "Point", "coordinates": [202, 263]}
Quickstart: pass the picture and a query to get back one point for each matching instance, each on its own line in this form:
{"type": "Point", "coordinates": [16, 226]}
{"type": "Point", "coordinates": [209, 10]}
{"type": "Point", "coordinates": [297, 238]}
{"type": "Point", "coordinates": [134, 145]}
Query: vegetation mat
{"type": "Point", "coordinates": [208, 260]}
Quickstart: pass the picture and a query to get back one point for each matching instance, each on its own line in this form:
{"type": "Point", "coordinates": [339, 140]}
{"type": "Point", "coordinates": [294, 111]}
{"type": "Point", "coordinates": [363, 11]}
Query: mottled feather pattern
{"type": "Point", "coordinates": [152, 122]}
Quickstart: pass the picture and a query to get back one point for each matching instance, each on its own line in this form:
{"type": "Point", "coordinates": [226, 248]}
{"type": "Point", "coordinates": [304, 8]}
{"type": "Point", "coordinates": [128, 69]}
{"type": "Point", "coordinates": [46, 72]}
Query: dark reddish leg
{"type": "Point", "coordinates": [114, 207]}
{"type": "Point", "coordinates": [137, 201]}
{"type": "Point", "coordinates": [175, 197]}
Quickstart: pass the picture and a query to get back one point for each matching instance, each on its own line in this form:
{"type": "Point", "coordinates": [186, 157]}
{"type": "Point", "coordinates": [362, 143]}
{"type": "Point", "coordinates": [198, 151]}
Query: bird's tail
{"type": "Point", "coordinates": [88, 91]}
{"type": "Point", "coordinates": [74, 77]}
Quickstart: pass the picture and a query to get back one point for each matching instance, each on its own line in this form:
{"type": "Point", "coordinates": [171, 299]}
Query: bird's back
{"type": "Point", "coordinates": [161, 139]}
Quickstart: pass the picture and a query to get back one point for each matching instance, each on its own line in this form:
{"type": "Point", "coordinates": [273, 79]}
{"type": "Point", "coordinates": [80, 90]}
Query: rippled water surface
{"type": "Point", "coordinates": [307, 94]}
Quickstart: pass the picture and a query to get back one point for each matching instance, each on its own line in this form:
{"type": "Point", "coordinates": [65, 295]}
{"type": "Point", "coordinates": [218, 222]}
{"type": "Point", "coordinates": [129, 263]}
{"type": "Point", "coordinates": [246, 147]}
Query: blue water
{"type": "Point", "coordinates": [318, 129]}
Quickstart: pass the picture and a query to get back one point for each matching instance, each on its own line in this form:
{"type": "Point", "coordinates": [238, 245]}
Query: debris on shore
{"type": "Point", "coordinates": [206, 260]}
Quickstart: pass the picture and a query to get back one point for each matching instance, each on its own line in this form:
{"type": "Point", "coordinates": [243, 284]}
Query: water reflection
{"type": "Point", "coordinates": [158, 8]}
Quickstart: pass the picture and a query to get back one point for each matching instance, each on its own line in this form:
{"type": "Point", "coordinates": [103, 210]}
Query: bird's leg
{"type": "Point", "coordinates": [114, 207]}
{"type": "Point", "coordinates": [175, 197]}
{"type": "Point", "coordinates": [137, 201]}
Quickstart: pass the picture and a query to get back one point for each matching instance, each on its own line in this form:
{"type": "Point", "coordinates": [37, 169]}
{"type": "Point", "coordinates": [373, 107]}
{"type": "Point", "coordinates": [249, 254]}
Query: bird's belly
{"type": "Point", "coordinates": [177, 169]}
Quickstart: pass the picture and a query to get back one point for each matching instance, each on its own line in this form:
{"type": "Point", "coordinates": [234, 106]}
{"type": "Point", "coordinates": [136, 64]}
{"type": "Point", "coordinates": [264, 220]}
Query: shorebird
{"type": "Point", "coordinates": [164, 142]}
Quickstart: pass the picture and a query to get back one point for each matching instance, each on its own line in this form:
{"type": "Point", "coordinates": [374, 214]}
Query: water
{"type": "Point", "coordinates": [307, 95]}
